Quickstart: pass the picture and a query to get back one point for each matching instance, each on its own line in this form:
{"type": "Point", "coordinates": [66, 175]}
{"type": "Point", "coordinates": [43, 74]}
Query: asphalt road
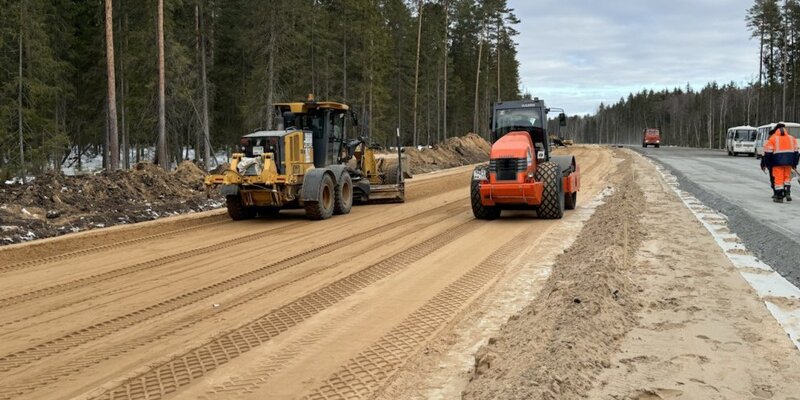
{"type": "Point", "coordinates": [736, 187]}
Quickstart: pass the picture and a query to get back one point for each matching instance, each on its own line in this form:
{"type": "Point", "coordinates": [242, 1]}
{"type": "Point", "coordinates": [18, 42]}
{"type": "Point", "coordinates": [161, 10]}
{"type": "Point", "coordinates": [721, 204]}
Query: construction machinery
{"type": "Point", "coordinates": [522, 174]}
{"type": "Point", "coordinates": [308, 162]}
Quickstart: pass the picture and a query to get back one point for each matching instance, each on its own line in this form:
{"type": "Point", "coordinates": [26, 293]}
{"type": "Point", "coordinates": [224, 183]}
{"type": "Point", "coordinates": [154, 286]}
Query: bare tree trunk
{"type": "Point", "coordinates": [163, 161]}
{"type": "Point", "coordinates": [710, 120]}
{"type": "Point", "coordinates": [198, 137]}
{"type": "Point", "coordinates": [760, 73]}
{"type": "Point", "coordinates": [271, 68]}
{"type": "Point", "coordinates": [126, 156]}
{"type": "Point", "coordinates": [446, 65]}
{"type": "Point", "coordinates": [344, 66]}
{"type": "Point", "coordinates": [203, 72]}
{"type": "Point", "coordinates": [499, 33]}
{"type": "Point", "coordinates": [438, 109]}
{"type": "Point", "coordinates": [19, 100]}
{"type": "Point", "coordinates": [113, 133]}
{"type": "Point", "coordinates": [721, 118]}
{"type": "Point", "coordinates": [416, 74]}
{"type": "Point", "coordinates": [784, 77]}
{"type": "Point", "coordinates": [478, 79]}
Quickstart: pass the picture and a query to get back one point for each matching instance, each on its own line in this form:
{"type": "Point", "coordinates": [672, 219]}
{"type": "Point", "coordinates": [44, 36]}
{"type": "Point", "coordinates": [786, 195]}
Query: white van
{"type": "Point", "coordinates": [763, 135]}
{"type": "Point", "coordinates": [741, 140]}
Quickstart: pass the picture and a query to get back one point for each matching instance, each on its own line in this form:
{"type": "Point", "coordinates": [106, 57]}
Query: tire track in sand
{"type": "Point", "coordinates": [60, 372]}
{"type": "Point", "coordinates": [102, 329]}
{"type": "Point", "coordinates": [138, 267]}
{"type": "Point", "coordinates": [183, 369]}
{"type": "Point", "coordinates": [95, 249]}
{"type": "Point", "coordinates": [364, 374]}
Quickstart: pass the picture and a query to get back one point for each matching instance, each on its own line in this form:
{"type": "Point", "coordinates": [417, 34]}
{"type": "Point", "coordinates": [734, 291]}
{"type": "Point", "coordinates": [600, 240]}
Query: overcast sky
{"type": "Point", "coordinates": [578, 53]}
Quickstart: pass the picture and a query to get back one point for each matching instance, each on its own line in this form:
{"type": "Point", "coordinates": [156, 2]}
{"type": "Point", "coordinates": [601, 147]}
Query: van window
{"type": "Point", "coordinates": [745, 135]}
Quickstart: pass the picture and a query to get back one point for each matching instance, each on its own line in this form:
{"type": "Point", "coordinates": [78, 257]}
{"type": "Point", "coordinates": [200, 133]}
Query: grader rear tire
{"type": "Point", "coordinates": [322, 208]}
{"type": "Point", "coordinates": [237, 211]}
{"type": "Point", "coordinates": [343, 195]}
{"type": "Point", "coordinates": [552, 206]}
{"type": "Point", "coordinates": [479, 210]}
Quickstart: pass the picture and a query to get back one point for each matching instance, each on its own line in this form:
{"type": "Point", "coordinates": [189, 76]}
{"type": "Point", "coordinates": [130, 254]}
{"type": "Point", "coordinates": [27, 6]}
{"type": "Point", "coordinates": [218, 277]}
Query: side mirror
{"type": "Point", "coordinates": [562, 119]}
{"type": "Point", "coordinates": [354, 116]}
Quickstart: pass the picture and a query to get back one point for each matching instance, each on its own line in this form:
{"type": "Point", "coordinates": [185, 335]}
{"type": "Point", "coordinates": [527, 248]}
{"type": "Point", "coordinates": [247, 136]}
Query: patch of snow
{"type": "Point", "coordinates": [92, 163]}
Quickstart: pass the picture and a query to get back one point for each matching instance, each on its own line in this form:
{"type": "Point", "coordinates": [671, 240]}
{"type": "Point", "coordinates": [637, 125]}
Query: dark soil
{"type": "Point", "coordinates": [54, 204]}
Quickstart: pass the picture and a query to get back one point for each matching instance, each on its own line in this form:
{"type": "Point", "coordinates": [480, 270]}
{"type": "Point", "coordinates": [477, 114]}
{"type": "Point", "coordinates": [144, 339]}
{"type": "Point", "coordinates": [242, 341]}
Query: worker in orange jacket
{"type": "Point", "coordinates": [781, 154]}
{"type": "Point", "coordinates": [768, 170]}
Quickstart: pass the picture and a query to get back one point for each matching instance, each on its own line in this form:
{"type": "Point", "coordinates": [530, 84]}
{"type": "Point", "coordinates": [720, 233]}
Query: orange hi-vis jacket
{"type": "Point", "coordinates": [781, 150]}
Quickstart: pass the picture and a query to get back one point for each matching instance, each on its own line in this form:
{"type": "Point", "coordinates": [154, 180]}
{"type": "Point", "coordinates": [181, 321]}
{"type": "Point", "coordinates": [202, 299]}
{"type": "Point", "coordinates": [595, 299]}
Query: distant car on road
{"type": "Point", "coordinates": [741, 140]}
{"type": "Point", "coordinates": [651, 137]}
{"type": "Point", "coordinates": [763, 135]}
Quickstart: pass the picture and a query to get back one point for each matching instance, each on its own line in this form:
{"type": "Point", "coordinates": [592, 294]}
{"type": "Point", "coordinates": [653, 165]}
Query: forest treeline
{"type": "Point", "coordinates": [699, 117]}
{"type": "Point", "coordinates": [428, 67]}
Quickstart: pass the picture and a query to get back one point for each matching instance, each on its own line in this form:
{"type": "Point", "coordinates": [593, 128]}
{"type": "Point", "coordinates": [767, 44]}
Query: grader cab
{"type": "Point", "coordinates": [308, 162]}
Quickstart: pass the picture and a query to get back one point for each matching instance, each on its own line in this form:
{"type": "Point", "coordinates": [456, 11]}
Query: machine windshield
{"type": "Point", "coordinates": [519, 119]}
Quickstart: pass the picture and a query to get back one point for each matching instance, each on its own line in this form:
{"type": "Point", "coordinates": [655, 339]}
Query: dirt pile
{"type": "Point", "coordinates": [54, 204]}
{"type": "Point", "coordinates": [556, 347]}
{"type": "Point", "coordinates": [453, 152]}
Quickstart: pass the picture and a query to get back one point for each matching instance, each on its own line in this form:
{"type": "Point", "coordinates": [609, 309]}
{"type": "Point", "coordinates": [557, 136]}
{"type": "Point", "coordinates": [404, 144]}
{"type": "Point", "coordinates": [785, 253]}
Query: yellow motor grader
{"type": "Point", "coordinates": [307, 162]}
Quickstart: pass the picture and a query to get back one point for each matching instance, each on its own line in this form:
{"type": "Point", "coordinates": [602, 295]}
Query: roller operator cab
{"type": "Point", "coordinates": [307, 162]}
{"type": "Point", "coordinates": [522, 174]}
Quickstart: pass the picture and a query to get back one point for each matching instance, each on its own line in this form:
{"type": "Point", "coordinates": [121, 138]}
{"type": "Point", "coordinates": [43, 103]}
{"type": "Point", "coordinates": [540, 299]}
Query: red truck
{"type": "Point", "coordinates": [651, 137]}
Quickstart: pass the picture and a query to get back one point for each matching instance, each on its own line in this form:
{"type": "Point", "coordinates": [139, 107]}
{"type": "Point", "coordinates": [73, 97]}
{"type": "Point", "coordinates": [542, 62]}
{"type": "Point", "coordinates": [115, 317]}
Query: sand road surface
{"type": "Point", "coordinates": [628, 297]}
{"type": "Point", "coordinates": [204, 307]}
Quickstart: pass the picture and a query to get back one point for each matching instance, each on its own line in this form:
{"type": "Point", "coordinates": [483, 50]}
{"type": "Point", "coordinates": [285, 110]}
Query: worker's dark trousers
{"type": "Point", "coordinates": [771, 179]}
